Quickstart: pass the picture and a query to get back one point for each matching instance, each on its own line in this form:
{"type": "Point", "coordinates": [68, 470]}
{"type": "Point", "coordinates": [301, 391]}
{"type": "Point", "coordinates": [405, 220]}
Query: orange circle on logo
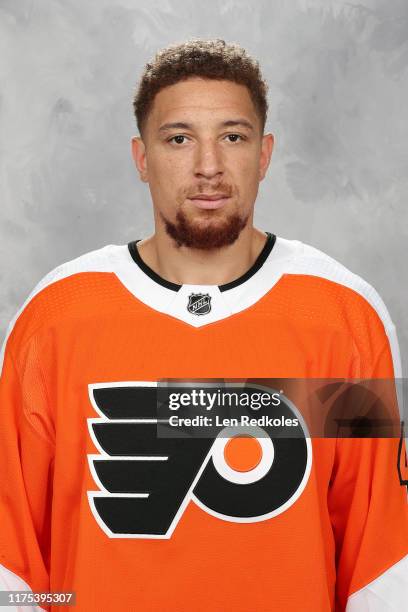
{"type": "Point", "coordinates": [243, 453]}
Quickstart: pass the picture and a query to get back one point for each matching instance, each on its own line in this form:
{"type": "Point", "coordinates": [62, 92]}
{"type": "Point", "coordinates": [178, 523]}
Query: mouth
{"type": "Point", "coordinates": [209, 202]}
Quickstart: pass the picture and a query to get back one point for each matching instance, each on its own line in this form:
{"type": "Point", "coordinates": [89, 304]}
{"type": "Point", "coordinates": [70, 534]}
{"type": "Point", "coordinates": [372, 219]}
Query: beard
{"type": "Point", "coordinates": [205, 236]}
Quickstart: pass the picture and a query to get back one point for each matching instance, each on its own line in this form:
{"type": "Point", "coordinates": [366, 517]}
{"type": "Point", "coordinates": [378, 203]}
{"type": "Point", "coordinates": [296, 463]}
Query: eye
{"type": "Point", "coordinates": [234, 136]}
{"type": "Point", "coordinates": [177, 136]}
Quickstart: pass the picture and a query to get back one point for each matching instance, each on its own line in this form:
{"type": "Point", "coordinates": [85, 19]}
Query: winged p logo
{"type": "Point", "coordinates": [145, 481]}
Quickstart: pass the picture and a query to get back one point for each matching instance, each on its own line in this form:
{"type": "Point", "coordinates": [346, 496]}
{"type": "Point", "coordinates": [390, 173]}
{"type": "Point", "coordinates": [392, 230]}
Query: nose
{"type": "Point", "coordinates": [208, 160]}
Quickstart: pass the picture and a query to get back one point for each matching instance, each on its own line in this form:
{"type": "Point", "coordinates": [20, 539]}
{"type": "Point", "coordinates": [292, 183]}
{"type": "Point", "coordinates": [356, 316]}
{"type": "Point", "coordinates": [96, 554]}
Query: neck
{"type": "Point", "coordinates": [184, 265]}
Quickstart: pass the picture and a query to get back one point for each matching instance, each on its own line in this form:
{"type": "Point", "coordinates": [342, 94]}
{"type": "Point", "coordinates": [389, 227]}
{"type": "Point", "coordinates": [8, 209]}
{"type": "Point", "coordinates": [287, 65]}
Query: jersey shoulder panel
{"type": "Point", "coordinates": [314, 262]}
{"type": "Point", "coordinates": [320, 291]}
{"type": "Point", "coordinates": [61, 288]}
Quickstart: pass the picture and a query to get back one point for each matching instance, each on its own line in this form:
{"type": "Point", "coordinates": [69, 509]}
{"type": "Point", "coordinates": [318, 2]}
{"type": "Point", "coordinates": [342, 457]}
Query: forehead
{"type": "Point", "coordinates": [204, 99]}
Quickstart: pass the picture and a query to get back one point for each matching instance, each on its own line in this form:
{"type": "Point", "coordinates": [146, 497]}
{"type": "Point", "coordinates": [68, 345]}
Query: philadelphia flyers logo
{"type": "Point", "coordinates": [145, 482]}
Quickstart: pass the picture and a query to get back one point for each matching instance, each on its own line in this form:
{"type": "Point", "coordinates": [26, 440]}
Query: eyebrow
{"type": "Point", "coordinates": [188, 126]}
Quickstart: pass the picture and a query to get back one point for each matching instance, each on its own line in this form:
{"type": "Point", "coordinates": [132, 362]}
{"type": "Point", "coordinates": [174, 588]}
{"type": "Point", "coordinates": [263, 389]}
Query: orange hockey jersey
{"type": "Point", "coordinates": [94, 501]}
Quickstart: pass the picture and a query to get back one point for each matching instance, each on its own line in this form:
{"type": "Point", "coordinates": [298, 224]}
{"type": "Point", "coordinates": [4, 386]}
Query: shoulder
{"type": "Point", "coordinates": [320, 292]}
{"type": "Point", "coordinates": [63, 290]}
{"type": "Point", "coordinates": [97, 260]}
{"type": "Point", "coordinates": [325, 276]}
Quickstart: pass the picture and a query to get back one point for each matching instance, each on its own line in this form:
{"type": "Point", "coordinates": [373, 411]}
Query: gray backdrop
{"type": "Point", "coordinates": [338, 79]}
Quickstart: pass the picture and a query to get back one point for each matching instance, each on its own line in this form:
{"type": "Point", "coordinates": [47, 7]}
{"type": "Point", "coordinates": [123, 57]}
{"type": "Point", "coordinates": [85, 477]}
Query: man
{"type": "Point", "coordinates": [95, 498]}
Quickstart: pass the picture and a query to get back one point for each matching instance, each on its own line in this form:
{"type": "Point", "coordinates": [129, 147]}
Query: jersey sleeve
{"type": "Point", "coordinates": [26, 460]}
{"type": "Point", "coordinates": [368, 506]}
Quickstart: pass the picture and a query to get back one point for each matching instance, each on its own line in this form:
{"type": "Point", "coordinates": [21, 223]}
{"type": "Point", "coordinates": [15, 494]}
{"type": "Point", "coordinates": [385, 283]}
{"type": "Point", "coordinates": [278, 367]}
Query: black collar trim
{"type": "Point", "coordinates": [260, 260]}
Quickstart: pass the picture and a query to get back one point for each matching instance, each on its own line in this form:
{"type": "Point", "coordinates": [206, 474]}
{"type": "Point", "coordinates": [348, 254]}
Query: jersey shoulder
{"type": "Point", "coordinates": [319, 293]}
{"type": "Point", "coordinates": [65, 290]}
{"type": "Point", "coordinates": [339, 283]}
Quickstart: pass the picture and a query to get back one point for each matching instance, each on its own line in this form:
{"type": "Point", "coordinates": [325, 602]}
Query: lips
{"type": "Point", "coordinates": [209, 202]}
{"type": "Point", "coordinates": [212, 197]}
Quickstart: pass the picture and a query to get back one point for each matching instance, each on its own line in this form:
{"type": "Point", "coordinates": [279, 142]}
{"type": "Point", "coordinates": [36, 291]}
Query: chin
{"type": "Point", "coordinates": [205, 231]}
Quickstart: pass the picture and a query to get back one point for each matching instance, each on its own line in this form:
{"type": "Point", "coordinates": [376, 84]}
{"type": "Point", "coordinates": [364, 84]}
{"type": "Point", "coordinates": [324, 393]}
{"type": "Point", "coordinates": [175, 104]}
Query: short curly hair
{"type": "Point", "coordinates": [210, 59]}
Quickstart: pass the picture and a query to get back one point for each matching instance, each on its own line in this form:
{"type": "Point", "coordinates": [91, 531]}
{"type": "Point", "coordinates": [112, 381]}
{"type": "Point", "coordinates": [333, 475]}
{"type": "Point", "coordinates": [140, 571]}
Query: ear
{"type": "Point", "coordinates": [139, 157]}
{"type": "Point", "coordinates": [268, 142]}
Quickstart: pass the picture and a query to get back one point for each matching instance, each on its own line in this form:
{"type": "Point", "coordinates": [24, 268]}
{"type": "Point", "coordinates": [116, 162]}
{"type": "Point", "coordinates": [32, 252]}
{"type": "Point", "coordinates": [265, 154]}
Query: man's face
{"type": "Point", "coordinates": [203, 156]}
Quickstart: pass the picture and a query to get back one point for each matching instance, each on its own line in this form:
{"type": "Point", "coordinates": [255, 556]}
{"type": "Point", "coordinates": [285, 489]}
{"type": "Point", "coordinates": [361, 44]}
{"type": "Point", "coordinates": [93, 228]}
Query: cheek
{"type": "Point", "coordinates": [244, 163]}
{"type": "Point", "coordinates": [169, 171]}
{"type": "Point", "coordinates": [167, 187]}
{"type": "Point", "coordinates": [246, 176]}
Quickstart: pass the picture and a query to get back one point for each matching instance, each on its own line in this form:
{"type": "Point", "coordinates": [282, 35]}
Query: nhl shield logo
{"type": "Point", "coordinates": [199, 303]}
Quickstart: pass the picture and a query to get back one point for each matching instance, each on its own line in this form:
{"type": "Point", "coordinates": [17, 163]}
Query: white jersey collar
{"type": "Point", "coordinates": [199, 305]}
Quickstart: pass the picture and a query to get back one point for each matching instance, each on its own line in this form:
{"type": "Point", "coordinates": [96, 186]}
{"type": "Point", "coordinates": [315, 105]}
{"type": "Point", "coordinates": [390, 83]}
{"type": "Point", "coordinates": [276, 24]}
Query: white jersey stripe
{"type": "Point", "coordinates": [387, 593]}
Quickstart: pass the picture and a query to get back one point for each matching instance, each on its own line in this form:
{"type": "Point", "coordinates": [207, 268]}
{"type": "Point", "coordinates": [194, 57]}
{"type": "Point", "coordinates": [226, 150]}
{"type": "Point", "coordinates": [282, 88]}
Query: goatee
{"type": "Point", "coordinates": [206, 237]}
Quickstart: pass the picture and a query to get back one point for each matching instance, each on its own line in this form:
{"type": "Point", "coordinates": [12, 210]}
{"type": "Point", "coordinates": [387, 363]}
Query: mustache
{"type": "Point", "coordinates": [224, 189]}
